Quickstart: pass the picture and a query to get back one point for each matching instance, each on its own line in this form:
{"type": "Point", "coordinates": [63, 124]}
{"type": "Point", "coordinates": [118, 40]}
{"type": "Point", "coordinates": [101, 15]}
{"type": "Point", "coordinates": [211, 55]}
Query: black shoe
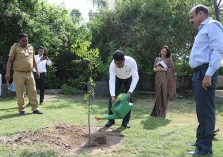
{"type": "Point", "coordinates": [216, 131]}
{"type": "Point", "coordinates": [22, 113]}
{"type": "Point", "coordinates": [199, 152]}
{"type": "Point", "coordinates": [37, 112]}
{"type": "Point", "coordinates": [41, 102]}
{"type": "Point", "coordinates": [109, 124]}
{"type": "Point", "coordinates": [126, 125]}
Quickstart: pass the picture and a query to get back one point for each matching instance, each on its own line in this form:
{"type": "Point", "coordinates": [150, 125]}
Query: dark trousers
{"type": "Point", "coordinates": [118, 84]}
{"type": "Point", "coordinates": [40, 84]}
{"type": "Point", "coordinates": [205, 108]}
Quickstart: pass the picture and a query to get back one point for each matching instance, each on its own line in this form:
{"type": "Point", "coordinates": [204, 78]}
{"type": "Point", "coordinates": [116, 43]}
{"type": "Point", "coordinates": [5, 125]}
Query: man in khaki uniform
{"type": "Point", "coordinates": [21, 55]}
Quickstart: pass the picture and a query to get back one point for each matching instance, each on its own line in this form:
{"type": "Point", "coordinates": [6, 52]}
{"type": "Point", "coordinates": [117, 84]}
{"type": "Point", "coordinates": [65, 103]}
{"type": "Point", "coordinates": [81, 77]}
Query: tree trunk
{"type": "Point", "coordinates": [217, 9]}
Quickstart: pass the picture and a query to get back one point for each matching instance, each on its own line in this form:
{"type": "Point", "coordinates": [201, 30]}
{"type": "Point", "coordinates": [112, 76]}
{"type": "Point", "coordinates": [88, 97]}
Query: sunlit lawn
{"type": "Point", "coordinates": [148, 136]}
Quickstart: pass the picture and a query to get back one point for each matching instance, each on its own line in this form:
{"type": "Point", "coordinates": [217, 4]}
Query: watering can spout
{"type": "Point", "coordinates": [112, 116]}
{"type": "Point", "coordinates": [120, 108]}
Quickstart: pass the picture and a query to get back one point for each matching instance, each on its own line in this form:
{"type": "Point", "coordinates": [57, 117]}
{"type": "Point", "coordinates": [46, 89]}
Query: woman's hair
{"type": "Point", "coordinates": [168, 54]}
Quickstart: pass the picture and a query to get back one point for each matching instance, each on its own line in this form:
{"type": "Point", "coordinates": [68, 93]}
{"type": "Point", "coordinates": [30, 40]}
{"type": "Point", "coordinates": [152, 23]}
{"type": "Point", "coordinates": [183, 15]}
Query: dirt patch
{"type": "Point", "coordinates": [67, 138]}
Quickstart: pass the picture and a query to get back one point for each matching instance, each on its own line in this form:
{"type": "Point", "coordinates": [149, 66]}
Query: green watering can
{"type": "Point", "coordinates": [120, 108]}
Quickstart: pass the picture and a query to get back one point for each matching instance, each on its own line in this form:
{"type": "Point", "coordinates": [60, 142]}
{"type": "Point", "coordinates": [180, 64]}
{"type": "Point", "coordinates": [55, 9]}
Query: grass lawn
{"type": "Point", "coordinates": [148, 136]}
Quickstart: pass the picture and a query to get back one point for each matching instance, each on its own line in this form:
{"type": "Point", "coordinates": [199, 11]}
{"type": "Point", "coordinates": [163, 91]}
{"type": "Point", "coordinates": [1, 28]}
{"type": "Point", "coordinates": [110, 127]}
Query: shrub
{"type": "Point", "coordinates": [68, 90]}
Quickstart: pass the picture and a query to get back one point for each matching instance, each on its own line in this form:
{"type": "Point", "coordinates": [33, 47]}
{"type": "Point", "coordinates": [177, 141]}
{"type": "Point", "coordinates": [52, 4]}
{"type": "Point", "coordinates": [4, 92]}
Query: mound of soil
{"type": "Point", "coordinates": [65, 137]}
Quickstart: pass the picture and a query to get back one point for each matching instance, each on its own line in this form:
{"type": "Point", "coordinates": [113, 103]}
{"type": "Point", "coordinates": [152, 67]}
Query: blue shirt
{"type": "Point", "coordinates": [208, 46]}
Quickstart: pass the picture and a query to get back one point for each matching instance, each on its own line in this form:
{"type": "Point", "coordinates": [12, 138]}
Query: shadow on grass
{"type": "Point", "coordinates": [52, 107]}
{"type": "Point", "coordinates": [184, 154]}
{"type": "Point", "coordinates": [7, 109]}
{"type": "Point", "coordinates": [8, 116]}
{"type": "Point", "coordinates": [152, 123]}
{"type": "Point", "coordinates": [140, 111]}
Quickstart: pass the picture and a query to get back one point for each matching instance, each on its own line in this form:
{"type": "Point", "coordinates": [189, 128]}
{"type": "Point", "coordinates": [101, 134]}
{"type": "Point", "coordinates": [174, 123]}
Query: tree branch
{"type": "Point", "coordinates": [219, 3]}
{"type": "Point", "coordinates": [220, 6]}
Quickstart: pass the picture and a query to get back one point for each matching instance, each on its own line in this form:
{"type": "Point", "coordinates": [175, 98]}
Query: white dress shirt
{"type": "Point", "coordinates": [129, 69]}
{"type": "Point", "coordinates": [41, 65]}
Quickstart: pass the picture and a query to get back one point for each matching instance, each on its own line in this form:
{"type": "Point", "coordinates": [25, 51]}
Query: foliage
{"type": "Point", "coordinates": [68, 90]}
{"type": "Point", "coordinates": [141, 27]}
{"type": "Point", "coordinates": [90, 94]}
{"type": "Point", "coordinates": [100, 3]}
{"type": "Point", "coordinates": [138, 27]}
{"type": "Point", "coordinates": [183, 70]}
{"type": "Point", "coordinates": [101, 72]}
{"type": "Point", "coordinates": [78, 83]}
{"type": "Point", "coordinates": [52, 80]}
{"type": "Point", "coordinates": [61, 32]}
{"type": "Point", "coordinates": [220, 71]}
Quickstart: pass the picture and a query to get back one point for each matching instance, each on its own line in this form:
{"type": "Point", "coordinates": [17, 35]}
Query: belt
{"type": "Point", "coordinates": [40, 73]}
{"type": "Point", "coordinates": [23, 71]}
{"type": "Point", "coordinates": [199, 68]}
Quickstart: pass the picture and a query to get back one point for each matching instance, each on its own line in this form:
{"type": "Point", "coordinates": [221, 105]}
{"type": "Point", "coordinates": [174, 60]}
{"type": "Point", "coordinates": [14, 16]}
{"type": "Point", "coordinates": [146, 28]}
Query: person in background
{"type": "Point", "coordinates": [205, 59]}
{"type": "Point", "coordinates": [123, 71]}
{"type": "Point", "coordinates": [21, 56]}
{"type": "Point", "coordinates": [42, 61]}
{"type": "Point", "coordinates": [165, 82]}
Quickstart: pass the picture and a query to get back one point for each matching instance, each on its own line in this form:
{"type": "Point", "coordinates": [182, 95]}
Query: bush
{"type": "Point", "coordinates": [52, 81]}
{"type": "Point", "coordinates": [68, 90]}
{"type": "Point", "coordinates": [183, 69]}
{"type": "Point", "coordinates": [101, 73]}
{"type": "Point", "coordinates": [220, 71]}
{"type": "Point", "coordinates": [77, 83]}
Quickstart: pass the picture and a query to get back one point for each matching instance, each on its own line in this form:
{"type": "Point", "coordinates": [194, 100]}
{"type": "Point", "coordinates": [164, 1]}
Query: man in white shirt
{"type": "Point", "coordinates": [122, 70]}
{"type": "Point", "coordinates": [42, 61]}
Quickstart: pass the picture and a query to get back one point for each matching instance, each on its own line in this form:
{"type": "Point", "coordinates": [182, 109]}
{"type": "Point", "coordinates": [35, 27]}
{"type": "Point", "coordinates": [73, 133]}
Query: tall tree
{"type": "Point", "coordinates": [100, 3]}
{"type": "Point", "coordinates": [217, 8]}
{"type": "Point", "coordinates": [141, 27]}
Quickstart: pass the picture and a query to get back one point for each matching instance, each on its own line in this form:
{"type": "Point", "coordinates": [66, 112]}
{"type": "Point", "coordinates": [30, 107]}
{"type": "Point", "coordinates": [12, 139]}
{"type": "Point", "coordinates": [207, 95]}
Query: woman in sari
{"type": "Point", "coordinates": [165, 82]}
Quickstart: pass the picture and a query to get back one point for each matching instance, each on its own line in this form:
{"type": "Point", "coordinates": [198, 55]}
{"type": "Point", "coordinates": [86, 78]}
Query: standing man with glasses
{"type": "Point", "coordinates": [21, 56]}
{"type": "Point", "coordinates": [42, 61]}
{"type": "Point", "coordinates": [205, 59]}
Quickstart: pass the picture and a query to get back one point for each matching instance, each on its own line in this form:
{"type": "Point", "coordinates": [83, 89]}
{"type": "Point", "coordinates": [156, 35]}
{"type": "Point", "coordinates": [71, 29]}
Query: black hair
{"type": "Point", "coordinates": [168, 54]}
{"type": "Point", "coordinates": [41, 47]}
{"type": "Point", "coordinates": [202, 8]}
{"type": "Point", "coordinates": [21, 35]}
{"type": "Point", "coordinates": [118, 55]}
